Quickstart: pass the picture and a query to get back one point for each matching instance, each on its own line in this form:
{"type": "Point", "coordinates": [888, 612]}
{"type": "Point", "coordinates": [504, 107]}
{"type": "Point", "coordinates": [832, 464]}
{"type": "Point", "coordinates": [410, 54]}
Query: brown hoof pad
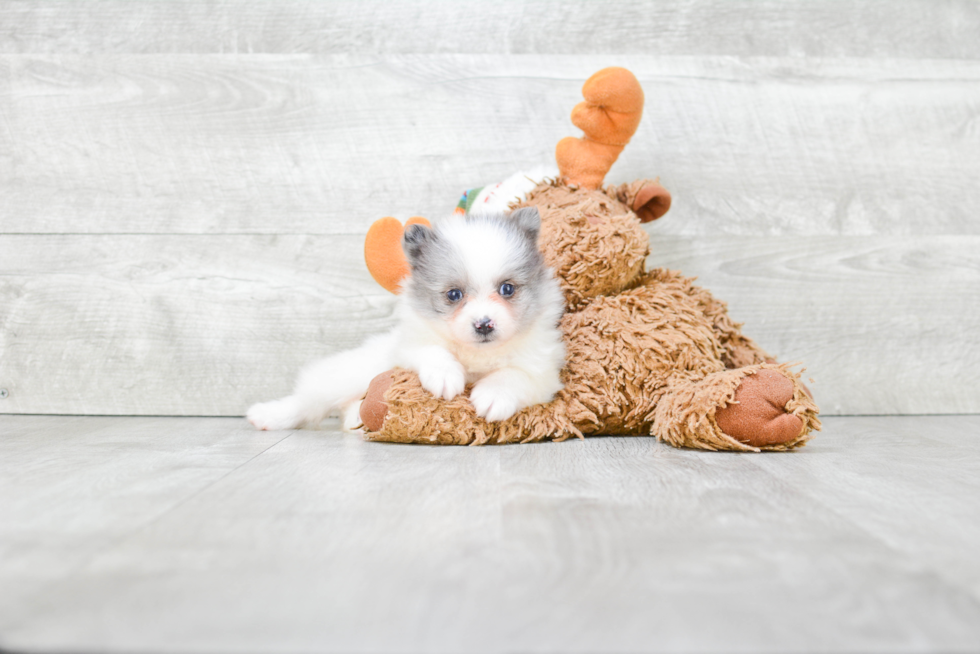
{"type": "Point", "coordinates": [374, 408]}
{"type": "Point", "coordinates": [759, 418]}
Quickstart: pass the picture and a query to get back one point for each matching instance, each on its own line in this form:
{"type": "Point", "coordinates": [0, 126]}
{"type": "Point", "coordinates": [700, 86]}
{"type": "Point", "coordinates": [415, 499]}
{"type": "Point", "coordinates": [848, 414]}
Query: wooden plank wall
{"type": "Point", "coordinates": [184, 187]}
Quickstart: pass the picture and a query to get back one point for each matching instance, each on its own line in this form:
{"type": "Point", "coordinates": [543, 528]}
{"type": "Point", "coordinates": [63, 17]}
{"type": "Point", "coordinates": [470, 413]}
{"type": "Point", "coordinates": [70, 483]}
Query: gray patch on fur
{"type": "Point", "coordinates": [528, 219]}
{"type": "Point", "coordinates": [414, 240]}
{"type": "Point", "coordinates": [438, 267]}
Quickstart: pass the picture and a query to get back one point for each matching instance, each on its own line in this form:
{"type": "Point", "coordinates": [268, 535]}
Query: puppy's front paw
{"type": "Point", "coordinates": [445, 380]}
{"type": "Point", "coordinates": [275, 415]}
{"type": "Point", "coordinates": [493, 400]}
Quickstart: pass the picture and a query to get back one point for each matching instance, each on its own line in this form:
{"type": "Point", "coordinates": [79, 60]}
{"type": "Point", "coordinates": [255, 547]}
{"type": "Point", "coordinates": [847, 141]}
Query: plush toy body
{"type": "Point", "coordinates": [647, 352]}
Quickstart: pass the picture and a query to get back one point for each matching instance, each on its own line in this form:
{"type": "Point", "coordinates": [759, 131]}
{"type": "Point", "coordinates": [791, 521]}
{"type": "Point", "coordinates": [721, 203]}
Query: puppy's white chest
{"type": "Point", "coordinates": [479, 364]}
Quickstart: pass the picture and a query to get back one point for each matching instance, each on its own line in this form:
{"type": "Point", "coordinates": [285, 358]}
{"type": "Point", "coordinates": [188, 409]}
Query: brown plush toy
{"type": "Point", "coordinates": [647, 352]}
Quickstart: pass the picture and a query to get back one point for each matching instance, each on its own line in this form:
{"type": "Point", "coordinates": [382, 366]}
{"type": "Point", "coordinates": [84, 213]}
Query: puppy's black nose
{"type": "Point", "coordinates": [483, 326]}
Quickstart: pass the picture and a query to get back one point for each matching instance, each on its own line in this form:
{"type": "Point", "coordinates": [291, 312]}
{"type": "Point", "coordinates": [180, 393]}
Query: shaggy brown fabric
{"type": "Point", "coordinates": [593, 241]}
{"type": "Point", "coordinates": [647, 353]}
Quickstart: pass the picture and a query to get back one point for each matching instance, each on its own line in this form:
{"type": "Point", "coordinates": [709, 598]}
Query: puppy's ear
{"type": "Point", "coordinates": [529, 220]}
{"type": "Point", "coordinates": [415, 241]}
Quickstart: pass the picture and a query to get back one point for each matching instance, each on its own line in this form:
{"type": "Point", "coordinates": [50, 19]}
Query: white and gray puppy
{"type": "Point", "coordinates": [480, 307]}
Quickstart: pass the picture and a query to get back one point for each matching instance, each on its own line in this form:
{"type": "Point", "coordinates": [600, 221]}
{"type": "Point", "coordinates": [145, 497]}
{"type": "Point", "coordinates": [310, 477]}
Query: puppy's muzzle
{"type": "Point", "coordinates": [483, 326]}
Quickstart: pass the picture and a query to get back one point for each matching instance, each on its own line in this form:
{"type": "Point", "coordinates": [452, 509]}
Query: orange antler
{"type": "Point", "coordinates": [383, 251]}
{"type": "Point", "coordinates": [609, 116]}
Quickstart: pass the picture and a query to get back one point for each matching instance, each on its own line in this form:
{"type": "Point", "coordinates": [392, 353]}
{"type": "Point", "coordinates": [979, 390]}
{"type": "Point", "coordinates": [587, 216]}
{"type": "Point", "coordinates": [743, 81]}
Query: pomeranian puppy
{"type": "Point", "coordinates": [480, 307]}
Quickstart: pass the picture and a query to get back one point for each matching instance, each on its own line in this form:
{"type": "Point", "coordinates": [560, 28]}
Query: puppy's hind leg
{"type": "Point", "coordinates": [285, 413]}
{"type": "Point", "coordinates": [325, 386]}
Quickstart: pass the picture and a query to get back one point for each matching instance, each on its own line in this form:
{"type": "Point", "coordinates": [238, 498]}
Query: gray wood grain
{"type": "Point", "coordinates": [818, 28]}
{"type": "Point", "coordinates": [884, 324]}
{"type": "Point", "coordinates": [862, 541]}
{"type": "Point", "coordinates": [206, 325]}
{"type": "Point", "coordinates": [185, 185]}
{"type": "Point", "coordinates": [175, 325]}
{"type": "Point", "coordinates": [71, 488]}
{"type": "Point", "coordinates": [301, 144]}
{"type": "Point", "coordinates": [934, 520]}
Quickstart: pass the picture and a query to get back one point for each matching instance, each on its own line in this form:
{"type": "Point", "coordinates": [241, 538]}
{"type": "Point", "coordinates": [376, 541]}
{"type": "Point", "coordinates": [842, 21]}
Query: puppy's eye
{"type": "Point", "coordinates": [506, 289]}
{"type": "Point", "coordinates": [454, 295]}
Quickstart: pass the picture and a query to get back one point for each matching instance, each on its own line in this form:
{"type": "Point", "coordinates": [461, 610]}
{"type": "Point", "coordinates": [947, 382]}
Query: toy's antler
{"type": "Point", "coordinates": [383, 251]}
{"type": "Point", "coordinates": [609, 116]}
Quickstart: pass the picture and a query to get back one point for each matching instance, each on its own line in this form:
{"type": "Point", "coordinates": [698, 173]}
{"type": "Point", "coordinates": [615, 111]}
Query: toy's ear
{"type": "Point", "coordinates": [646, 197]}
{"type": "Point", "coordinates": [529, 220]}
{"type": "Point", "coordinates": [651, 202]}
{"type": "Point", "coordinates": [383, 252]}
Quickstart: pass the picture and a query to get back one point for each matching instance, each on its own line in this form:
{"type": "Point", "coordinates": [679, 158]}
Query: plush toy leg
{"type": "Point", "coordinates": [397, 409]}
{"type": "Point", "coordinates": [737, 350]}
{"type": "Point", "coordinates": [761, 407]}
{"type": "Point", "coordinates": [373, 407]}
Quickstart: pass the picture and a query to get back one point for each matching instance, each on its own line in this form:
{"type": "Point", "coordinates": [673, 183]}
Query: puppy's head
{"type": "Point", "coordinates": [477, 279]}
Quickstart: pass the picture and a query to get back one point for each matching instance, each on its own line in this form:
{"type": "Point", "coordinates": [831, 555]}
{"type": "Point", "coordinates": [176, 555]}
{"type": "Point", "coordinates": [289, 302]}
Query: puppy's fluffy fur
{"type": "Point", "coordinates": [480, 307]}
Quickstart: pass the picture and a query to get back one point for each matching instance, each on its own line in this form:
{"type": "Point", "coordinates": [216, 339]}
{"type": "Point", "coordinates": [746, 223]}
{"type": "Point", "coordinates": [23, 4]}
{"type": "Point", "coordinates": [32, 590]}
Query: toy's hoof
{"type": "Point", "coordinates": [759, 418]}
{"type": "Point", "coordinates": [806, 389]}
{"type": "Point", "coordinates": [374, 408]}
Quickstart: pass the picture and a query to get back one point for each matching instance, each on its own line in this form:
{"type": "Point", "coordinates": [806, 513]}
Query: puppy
{"type": "Point", "coordinates": [480, 307]}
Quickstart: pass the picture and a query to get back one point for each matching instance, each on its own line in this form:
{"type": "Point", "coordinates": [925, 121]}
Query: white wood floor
{"type": "Point", "coordinates": [200, 535]}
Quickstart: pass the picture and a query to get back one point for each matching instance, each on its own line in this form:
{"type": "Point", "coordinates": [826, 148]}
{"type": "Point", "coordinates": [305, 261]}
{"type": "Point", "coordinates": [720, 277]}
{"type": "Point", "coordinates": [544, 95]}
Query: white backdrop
{"type": "Point", "coordinates": [184, 187]}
